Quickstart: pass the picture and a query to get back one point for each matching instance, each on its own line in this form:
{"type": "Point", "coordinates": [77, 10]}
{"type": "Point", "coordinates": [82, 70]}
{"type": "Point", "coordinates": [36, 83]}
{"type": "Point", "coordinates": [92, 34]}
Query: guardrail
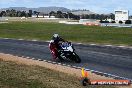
{"type": "Point", "coordinates": [116, 25]}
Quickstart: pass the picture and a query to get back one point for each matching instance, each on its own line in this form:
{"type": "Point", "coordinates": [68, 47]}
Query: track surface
{"type": "Point", "coordinates": [117, 61]}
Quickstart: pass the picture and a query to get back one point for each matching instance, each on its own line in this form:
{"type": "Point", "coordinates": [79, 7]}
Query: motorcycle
{"type": "Point", "coordinates": [67, 51]}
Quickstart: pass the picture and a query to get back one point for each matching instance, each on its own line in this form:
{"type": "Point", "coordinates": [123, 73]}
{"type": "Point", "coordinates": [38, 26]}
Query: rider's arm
{"type": "Point", "coordinates": [61, 39]}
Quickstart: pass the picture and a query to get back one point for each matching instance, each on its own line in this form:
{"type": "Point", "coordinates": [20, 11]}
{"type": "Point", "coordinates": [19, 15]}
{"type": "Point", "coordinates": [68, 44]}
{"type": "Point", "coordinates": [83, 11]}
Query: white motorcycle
{"type": "Point", "coordinates": [68, 52]}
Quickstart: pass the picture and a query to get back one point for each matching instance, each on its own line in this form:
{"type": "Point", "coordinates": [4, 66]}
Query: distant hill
{"type": "Point", "coordinates": [47, 10]}
{"type": "Point", "coordinates": [40, 9]}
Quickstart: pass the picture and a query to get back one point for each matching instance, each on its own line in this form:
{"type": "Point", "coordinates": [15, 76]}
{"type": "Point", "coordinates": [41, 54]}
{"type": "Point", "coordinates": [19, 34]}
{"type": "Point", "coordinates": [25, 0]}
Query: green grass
{"type": "Point", "coordinates": [76, 33]}
{"type": "Point", "coordinates": [13, 75]}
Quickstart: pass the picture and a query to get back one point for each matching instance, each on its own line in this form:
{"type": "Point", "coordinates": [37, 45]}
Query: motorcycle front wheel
{"type": "Point", "coordinates": [76, 58]}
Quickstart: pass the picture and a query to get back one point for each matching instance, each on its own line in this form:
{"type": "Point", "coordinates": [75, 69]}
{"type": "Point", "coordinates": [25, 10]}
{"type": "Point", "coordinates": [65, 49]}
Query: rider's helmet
{"type": "Point", "coordinates": [55, 36]}
{"type": "Point", "coordinates": [52, 41]}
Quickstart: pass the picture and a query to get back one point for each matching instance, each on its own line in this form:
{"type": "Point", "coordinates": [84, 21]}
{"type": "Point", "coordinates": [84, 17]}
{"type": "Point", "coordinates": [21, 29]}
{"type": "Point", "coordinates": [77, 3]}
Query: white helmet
{"type": "Point", "coordinates": [51, 41]}
{"type": "Point", "coordinates": [55, 35]}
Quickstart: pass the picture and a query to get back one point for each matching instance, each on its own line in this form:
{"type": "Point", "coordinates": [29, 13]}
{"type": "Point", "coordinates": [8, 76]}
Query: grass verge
{"type": "Point", "coordinates": [14, 75]}
{"type": "Point", "coordinates": [76, 33]}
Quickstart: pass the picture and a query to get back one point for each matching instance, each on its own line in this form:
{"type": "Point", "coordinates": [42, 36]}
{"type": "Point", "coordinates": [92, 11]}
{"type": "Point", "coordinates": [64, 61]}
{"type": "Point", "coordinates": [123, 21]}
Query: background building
{"type": "Point", "coordinates": [121, 15]}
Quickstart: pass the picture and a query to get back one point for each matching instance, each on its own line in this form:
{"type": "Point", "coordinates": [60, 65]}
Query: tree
{"type": "Point", "coordinates": [3, 13]}
{"type": "Point", "coordinates": [112, 16]}
{"type": "Point", "coordinates": [59, 14]}
{"type": "Point", "coordinates": [70, 15]}
{"type": "Point", "coordinates": [75, 17]}
{"type": "Point", "coordinates": [0, 14]}
{"type": "Point", "coordinates": [65, 15]}
{"type": "Point", "coordinates": [19, 14]}
{"type": "Point", "coordinates": [8, 12]}
{"type": "Point", "coordinates": [97, 16]}
{"type": "Point", "coordinates": [30, 13]}
{"type": "Point", "coordinates": [36, 13]}
{"type": "Point", "coordinates": [130, 17]}
{"type": "Point", "coordinates": [23, 14]}
{"type": "Point", "coordinates": [52, 13]}
{"type": "Point", "coordinates": [102, 17]}
{"type": "Point", "coordinates": [83, 17]}
{"type": "Point", "coordinates": [13, 13]}
{"type": "Point", "coordinates": [92, 16]}
{"type": "Point", "coordinates": [104, 21]}
{"type": "Point", "coordinates": [87, 16]}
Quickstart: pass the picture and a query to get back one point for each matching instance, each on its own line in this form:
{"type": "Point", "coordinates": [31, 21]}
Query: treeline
{"type": "Point", "coordinates": [14, 13]}
{"type": "Point", "coordinates": [58, 14]}
{"type": "Point", "coordinates": [99, 16]}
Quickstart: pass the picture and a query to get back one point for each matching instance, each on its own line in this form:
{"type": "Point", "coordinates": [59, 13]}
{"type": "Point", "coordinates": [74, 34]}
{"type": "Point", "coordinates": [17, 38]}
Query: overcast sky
{"type": "Point", "coordinates": [98, 6]}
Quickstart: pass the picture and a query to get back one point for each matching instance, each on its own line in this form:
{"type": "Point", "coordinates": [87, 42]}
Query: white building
{"type": "Point", "coordinates": [121, 15]}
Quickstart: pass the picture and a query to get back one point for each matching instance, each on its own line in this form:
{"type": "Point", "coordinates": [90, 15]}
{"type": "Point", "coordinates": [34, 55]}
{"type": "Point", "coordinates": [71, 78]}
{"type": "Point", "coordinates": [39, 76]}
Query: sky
{"type": "Point", "coordinates": [97, 6]}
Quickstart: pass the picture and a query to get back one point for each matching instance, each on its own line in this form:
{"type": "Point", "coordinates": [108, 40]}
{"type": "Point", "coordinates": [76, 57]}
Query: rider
{"type": "Point", "coordinates": [54, 45]}
{"type": "Point", "coordinates": [57, 39]}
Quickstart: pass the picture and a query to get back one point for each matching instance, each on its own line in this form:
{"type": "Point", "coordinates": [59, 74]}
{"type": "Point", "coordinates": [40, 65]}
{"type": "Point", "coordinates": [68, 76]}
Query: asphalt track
{"type": "Point", "coordinates": [112, 60]}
